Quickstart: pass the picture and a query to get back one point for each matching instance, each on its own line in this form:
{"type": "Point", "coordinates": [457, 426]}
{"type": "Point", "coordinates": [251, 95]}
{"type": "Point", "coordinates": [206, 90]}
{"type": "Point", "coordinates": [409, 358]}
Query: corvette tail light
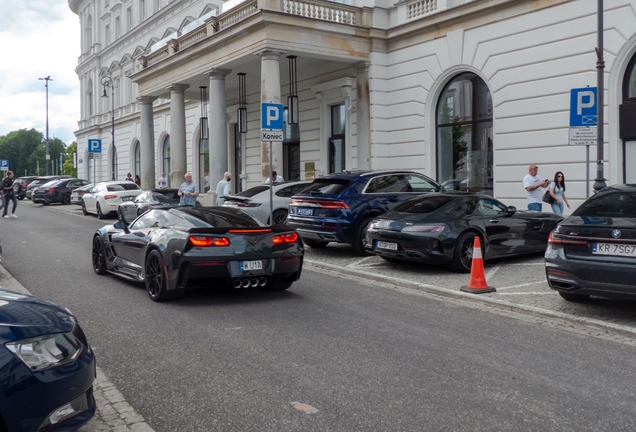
{"type": "Point", "coordinates": [327, 204]}
{"type": "Point", "coordinates": [559, 241]}
{"type": "Point", "coordinates": [206, 241]}
{"type": "Point", "coordinates": [423, 228]}
{"type": "Point", "coordinates": [107, 197]}
{"type": "Point", "coordinates": [285, 238]}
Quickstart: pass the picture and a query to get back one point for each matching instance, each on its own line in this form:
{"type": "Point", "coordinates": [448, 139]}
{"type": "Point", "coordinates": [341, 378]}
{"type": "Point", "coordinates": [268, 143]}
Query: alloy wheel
{"type": "Point", "coordinates": [154, 276]}
{"type": "Point", "coordinates": [466, 252]}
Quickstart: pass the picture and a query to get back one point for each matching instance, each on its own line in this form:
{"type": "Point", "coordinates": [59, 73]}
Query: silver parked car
{"type": "Point", "coordinates": [255, 201]}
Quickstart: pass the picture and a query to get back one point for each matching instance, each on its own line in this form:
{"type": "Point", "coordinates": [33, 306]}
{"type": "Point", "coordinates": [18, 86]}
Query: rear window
{"type": "Point", "coordinates": [252, 191]}
{"type": "Point", "coordinates": [618, 204]}
{"type": "Point", "coordinates": [327, 186]}
{"type": "Point", "coordinates": [219, 217]}
{"type": "Point", "coordinates": [423, 205]}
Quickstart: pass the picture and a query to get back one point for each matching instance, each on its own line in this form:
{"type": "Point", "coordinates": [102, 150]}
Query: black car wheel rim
{"type": "Point", "coordinates": [154, 275]}
{"type": "Point", "coordinates": [97, 254]}
{"type": "Point", "coordinates": [280, 219]}
{"type": "Point", "coordinates": [466, 252]}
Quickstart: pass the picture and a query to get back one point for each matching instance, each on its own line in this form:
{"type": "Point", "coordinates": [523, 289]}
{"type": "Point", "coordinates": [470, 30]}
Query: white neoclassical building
{"type": "Point", "coordinates": [469, 92]}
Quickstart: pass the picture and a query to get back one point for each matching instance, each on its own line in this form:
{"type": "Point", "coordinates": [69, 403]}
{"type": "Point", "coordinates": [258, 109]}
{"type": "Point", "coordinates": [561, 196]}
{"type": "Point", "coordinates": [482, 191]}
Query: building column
{"type": "Point", "coordinates": [217, 124]}
{"type": "Point", "coordinates": [363, 115]}
{"type": "Point", "coordinates": [270, 93]}
{"type": "Point", "coordinates": [147, 142]}
{"type": "Point", "coordinates": [178, 155]}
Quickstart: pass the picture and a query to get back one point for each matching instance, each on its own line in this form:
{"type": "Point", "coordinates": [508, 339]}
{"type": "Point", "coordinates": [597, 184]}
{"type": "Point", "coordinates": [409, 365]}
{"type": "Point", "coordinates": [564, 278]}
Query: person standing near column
{"type": "Point", "coordinates": [223, 188]}
{"type": "Point", "coordinates": [163, 182]}
{"type": "Point", "coordinates": [533, 185]}
{"type": "Point", "coordinates": [8, 195]}
{"type": "Point", "coordinates": [188, 191]}
{"type": "Point", "coordinates": [206, 182]}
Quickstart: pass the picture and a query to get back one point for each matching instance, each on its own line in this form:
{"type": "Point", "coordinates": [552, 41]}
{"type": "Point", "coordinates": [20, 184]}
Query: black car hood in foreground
{"type": "Point", "coordinates": [599, 227]}
{"type": "Point", "coordinates": [23, 316]}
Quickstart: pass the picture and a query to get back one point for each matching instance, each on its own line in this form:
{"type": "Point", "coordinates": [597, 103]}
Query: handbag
{"type": "Point", "coordinates": [547, 198]}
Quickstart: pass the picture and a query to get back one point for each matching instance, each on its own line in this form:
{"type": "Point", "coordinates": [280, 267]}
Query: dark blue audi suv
{"type": "Point", "coordinates": [338, 207]}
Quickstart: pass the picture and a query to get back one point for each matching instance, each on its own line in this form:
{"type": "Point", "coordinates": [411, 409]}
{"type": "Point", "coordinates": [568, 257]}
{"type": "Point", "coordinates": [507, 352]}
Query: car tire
{"type": "Point", "coordinates": [463, 254]}
{"type": "Point", "coordinates": [66, 199]}
{"type": "Point", "coordinates": [98, 256]}
{"type": "Point", "coordinates": [277, 286]}
{"type": "Point", "coordinates": [571, 297]}
{"type": "Point", "coordinates": [358, 238]}
{"type": "Point", "coordinates": [100, 215]}
{"type": "Point", "coordinates": [280, 217]}
{"type": "Point", "coordinates": [315, 244]}
{"type": "Point", "coordinates": [155, 279]}
{"type": "Point", "coordinates": [84, 209]}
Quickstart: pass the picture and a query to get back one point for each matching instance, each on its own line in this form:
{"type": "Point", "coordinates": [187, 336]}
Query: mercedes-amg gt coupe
{"type": "Point", "coordinates": [178, 248]}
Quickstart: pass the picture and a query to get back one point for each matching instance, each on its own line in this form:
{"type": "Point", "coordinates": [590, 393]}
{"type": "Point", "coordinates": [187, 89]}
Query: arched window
{"type": "Point", "coordinates": [464, 135]}
{"type": "Point", "coordinates": [88, 35]}
{"type": "Point", "coordinates": [113, 164]}
{"type": "Point", "coordinates": [89, 97]}
{"type": "Point", "coordinates": [628, 122]}
{"type": "Point", "coordinates": [165, 155]}
{"type": "Point", "coordinates": [137, 159]}
{"type": "Point", "coordinates": [204, 165]}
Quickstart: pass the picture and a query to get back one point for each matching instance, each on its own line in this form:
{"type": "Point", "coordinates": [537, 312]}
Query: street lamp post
{"type": "Point", "coordinates": [108, 82]}
{"type": "Point", "coordinates": [599, 181]}
{"type": "Point", "coordinates": [48, 156]}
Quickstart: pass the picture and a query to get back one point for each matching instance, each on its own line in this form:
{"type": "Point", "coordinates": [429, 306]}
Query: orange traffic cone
{"type": "Point", "coordinates": [477, 283]}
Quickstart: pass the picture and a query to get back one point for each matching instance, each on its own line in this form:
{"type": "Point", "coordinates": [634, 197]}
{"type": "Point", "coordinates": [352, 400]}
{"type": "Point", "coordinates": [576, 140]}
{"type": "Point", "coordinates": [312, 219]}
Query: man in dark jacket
{"type": "Point", "coordinates": [8, 195]}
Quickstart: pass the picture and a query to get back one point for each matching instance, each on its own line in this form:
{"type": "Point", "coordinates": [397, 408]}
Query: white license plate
{"type": "Point", "coordinates": [386, 245]}
{"type": "Point", "coordinates": [251, 265]}
{"type": "Point", "coordinates": [126, 198]}
{"type": "Point", "coordinates": [306, 211]}
{"type": "Point", "coordinates": [614, 249]}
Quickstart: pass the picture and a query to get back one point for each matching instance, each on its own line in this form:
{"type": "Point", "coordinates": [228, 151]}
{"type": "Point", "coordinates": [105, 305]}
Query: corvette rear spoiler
{"type": "Point", "coordinates": [241, 230]}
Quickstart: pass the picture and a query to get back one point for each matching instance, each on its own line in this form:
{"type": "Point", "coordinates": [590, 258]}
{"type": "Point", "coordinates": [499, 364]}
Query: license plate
{"type": "Point", "coordinates": [126, 198]}
{"type": "Point", "coordinates": [614, 249]}
{"type": "Point", "coordinates": [386, 245]}
{"type": "Point", "coordinates": [306, 211]}
{"type": "Point", "coordinates": [251, 265]}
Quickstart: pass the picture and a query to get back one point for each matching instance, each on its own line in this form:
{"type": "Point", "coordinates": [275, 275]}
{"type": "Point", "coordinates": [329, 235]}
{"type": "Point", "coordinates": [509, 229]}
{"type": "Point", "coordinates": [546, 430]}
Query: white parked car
{"type": "Point", "coordinates": [104, 198]}
{"type": "Point", "coordinates": [255, 201]}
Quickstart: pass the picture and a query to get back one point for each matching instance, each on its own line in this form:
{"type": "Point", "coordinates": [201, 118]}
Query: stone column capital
{"type": "Point", "coordinates": [218, 73]}
{"type": "Point", "coordinates": [270, 53]}
{"type": "Point", "coordinates": [362, 67]}
{"type": "Point", "coordinates": [146, 100]}
{"type": "Point", "coordinates": [177, 88]}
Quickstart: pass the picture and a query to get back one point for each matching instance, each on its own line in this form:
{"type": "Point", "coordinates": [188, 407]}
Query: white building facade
{"type": "Point", "coordinates": [467, 92]}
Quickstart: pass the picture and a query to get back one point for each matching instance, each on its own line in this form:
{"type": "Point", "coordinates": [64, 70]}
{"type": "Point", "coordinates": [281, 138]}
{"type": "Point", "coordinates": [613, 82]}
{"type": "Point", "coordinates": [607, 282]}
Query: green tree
{"type": "Point", "coordinates": [18, 147]}
{"type": "Point", "coordinates": [68, 162]}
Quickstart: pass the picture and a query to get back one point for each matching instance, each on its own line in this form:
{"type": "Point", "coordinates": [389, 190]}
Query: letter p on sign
{"type": "Point", "coordinates": [272, 116]}
{"type": "Point", "coordinates": [583, 107]}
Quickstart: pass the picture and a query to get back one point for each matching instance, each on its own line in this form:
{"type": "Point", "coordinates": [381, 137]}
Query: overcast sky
{"type": "Point", "coordinates": [39, 38]}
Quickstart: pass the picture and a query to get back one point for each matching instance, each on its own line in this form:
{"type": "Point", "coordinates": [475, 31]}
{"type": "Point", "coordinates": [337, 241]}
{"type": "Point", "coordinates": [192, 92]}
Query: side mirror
{"type": "Point", "coordinates": [122, 225]}
{"type": "Point", "coordinates": [512, 210]}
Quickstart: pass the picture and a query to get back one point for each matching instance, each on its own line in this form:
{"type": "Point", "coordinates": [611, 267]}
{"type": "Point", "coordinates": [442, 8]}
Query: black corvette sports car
{"type": "Point", "coordinates": [440, 228]}
{"type": "Point", "coordinates": [174, 249]}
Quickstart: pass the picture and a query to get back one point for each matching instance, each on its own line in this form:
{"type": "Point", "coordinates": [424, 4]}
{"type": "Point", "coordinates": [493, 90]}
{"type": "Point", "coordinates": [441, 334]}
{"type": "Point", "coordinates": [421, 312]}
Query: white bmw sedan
{"type": "Point", "coordinates": [255, 201]}
{"type": "Point", "coordinates": [104, 198]}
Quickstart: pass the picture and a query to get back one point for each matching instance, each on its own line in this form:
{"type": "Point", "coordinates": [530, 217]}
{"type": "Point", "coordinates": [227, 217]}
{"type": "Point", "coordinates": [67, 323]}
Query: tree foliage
{"type": "Point", "coordinates": [25, 148]}
{"type": "Point", "coordinates": [68, 162]}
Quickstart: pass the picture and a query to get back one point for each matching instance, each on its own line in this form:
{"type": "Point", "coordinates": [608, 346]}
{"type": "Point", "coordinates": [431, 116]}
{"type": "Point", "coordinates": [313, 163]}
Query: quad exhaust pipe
{"type": "Point", "coordinates": [249, 282]}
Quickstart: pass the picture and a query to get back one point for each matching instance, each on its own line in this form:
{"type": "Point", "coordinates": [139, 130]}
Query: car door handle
{"type": "Point", "coordinates": [494, 221]}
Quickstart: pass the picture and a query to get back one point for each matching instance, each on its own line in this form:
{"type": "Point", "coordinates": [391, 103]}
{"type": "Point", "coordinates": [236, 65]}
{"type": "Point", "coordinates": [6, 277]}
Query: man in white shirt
{"type": "Point", "coordinates": [163, 182]}
{"type": "Point", "coordinates": [223, 188]}
{"type": "Point", "coordinates": [277, 178]}
{"type": "Point", "coordinates": [534, 185]}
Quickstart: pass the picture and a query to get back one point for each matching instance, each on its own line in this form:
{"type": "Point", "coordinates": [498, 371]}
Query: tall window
{"type": "Point", "coordinates": [117, 28]}
{"type": "Point", "coordinates": [165, 154]}
{"type": "Point", "coordinates": [117, 93]}
{"type": "Point", "coordinates": [89, 97]}
{"type": "Point", "coordinates": [129, 23]}
{"type": "Point", "coordinates": [628, 123]}
{"type": "Point", "coordinates": [291, 149]}
{"type": "Point", "coordinates": [113, 164]}
{"type": "Point", "coordinates": [337, 139]}
{"type": "Point", "coordinates": [204, 164]}
{"type": "Point", "coordinates": [107, 35]}
{"type": "Point", "coordinates": [464, 135]}
{"type": "Point", "coordinates": [142, 10]}
{"type": "Point", "coordinates": [156, 5]}
{"type": "Point", "coordinates": [137, 159]}
{"type": "Point", "coordinates": [88, 32]}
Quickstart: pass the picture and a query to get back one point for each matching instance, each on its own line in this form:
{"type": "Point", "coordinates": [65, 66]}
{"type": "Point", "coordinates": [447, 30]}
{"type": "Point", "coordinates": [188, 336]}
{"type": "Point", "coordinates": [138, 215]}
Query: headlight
{"type": "Point", "coordinates": [44, 352]}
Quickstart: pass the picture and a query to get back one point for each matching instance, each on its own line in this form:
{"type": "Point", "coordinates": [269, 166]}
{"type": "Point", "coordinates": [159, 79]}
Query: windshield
{"type": "Point", "coordinates": [253, 191]}
{"type": "Point", "coordinates": [327, 186]}
{"type": "Point", "coordinates": [618, 204]}
{"type": "Point", "coordinates": [424, 205]}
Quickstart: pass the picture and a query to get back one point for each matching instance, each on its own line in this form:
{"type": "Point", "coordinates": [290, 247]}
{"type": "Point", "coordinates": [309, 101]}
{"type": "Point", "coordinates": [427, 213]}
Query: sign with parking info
{"type": "Point", "coordinates": [4, 165]}
{"type": "Point", "coordinates": [94, 146]}
{"type": "Point", "coordinates": [583, 107]}
{"type": "Point", "coordinates": [582, 136]}
{"type": "Point", "coordinates": [272, 116]}
{"type": "Point", "coordinates": [272, 136]}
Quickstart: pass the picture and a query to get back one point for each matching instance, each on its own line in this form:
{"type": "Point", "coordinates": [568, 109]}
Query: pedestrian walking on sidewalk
{"type": "Point", "coordinates": [557, 192]}
{"type": "Point", "coordinates": [533, 185]}
{"type": "Point", "coordinates": [8, 195]}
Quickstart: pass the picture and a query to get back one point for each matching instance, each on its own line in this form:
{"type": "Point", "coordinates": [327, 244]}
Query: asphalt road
{"type": "Point", "coordinates": [329, 354]}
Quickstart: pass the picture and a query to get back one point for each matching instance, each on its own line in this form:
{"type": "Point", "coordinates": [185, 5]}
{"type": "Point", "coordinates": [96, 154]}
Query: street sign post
{"type": "Point", "coordinates": [583, 121]}
{"type": "Point", "coordinates": [95, 149]}
{"type": "Point", "coordinates": [271, 131]}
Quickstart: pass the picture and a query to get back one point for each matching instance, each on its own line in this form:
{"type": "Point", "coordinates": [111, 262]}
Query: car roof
{"type": "Point", "coordinates": [365, 173]}
{"type": "Point", "coordinates": [629, 187]}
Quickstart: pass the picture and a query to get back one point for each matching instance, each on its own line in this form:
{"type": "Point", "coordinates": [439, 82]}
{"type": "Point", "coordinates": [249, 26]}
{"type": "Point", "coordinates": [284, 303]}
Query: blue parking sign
{"type": "Point", "coordinates": [4, 164]}
{"type": "Point", "coordinates": [583, 107]}
{"type": "Point", "coordinates": [94, 146]}
{"type": "Point", "coordinates": [272, 116]}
